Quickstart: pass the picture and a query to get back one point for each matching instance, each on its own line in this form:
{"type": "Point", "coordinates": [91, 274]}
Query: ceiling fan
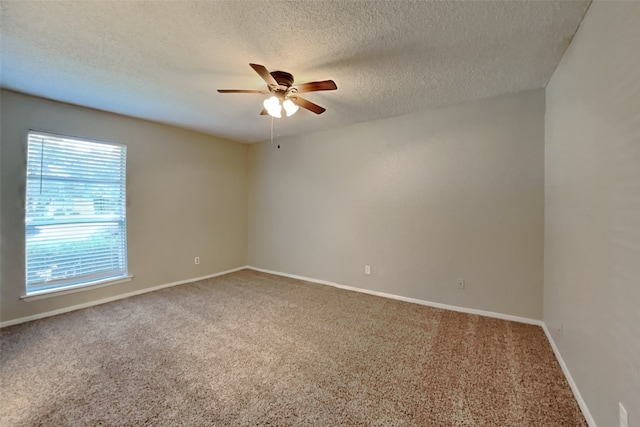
{"type": "Point", "coordinates": [284, 94]}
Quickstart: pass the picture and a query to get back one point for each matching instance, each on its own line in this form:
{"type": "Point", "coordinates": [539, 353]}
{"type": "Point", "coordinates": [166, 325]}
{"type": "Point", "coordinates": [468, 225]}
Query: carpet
{"type": "Point", "coordinates": [250, 348]}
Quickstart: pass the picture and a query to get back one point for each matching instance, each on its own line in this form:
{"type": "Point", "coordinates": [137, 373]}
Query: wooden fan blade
{"type": "Point", "coordinates": [317, 86]}
{"type": "Point", "coordinates": [264, 112]}
{"type": "Point", "coordinates": [264, 73]}
{"type": "Point", "coordinates": [301, 102]}
{"type": "Point", "coordinates": [241, 91]}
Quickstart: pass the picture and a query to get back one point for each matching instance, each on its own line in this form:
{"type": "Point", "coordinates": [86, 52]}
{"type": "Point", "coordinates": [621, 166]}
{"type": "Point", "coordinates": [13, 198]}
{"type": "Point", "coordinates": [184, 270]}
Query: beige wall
{"type": "Point", "coordinates": [186, 197]}
{"type": "Point", "coordinates": [424, 199]}
{"type": "Point", "coordinates": [592, 223]}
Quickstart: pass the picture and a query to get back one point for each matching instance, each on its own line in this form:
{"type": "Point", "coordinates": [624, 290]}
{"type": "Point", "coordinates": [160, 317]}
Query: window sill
{"type": "Point", "coordinates": [50, 293]}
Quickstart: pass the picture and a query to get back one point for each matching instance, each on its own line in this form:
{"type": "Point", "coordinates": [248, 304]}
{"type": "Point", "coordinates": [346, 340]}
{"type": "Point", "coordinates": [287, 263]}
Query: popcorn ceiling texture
{"type": "Point", "coordinates": [164, 61]}
{"type": "Point", "coordinates": [251, 349]}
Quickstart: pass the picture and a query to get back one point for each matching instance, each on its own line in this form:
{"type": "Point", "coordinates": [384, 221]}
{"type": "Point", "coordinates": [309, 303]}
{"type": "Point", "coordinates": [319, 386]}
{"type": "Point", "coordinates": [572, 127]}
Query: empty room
{"type": "Point", "coordinates": [320, 213]}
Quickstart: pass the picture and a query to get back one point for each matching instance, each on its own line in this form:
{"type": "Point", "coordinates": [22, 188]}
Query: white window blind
{"type": "Point", "coordinates": [75, 220]}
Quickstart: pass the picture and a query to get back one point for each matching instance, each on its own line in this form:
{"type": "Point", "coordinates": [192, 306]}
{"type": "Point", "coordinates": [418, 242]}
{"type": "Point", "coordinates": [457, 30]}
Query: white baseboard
{"type": "Point", "coordinates": [574, 387]}
{"type": "Point", "coordinates": [407, 299]}
{"type": "Point", "coordinates": [113, 298]}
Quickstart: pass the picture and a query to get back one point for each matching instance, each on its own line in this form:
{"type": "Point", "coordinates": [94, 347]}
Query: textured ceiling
{"type": "Point", "coordinates": [163, 61]}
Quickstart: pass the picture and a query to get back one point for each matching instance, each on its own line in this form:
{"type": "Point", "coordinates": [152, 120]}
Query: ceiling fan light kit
{"type": "Point", "coordinates": [274, 107]}
{"type": "Point", "coordinates": [283, 94]}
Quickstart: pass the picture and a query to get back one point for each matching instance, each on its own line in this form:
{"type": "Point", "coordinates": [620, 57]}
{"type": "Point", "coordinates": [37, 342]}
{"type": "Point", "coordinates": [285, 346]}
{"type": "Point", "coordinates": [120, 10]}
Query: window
{"type": "Point", "coordinates": [75, 213]}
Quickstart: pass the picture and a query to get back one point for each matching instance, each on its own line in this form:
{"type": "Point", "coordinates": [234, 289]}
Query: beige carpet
{"type": "Point", "coordinates": [254, 349]}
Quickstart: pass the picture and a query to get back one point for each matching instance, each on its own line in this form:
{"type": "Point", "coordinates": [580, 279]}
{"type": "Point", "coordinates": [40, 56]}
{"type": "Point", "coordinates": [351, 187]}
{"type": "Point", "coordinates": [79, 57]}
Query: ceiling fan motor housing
{"type": "Point", "coordinates": [283, 78]}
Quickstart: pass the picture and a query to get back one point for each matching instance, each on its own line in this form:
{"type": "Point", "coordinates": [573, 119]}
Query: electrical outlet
{"type": "Point", "coordinates": [367, 269]}
{"type": "Point", "coordinates": [561, 330]}
{"type": "Point", "coordinates": [624, 417]}
{"type": "Point", "coordinates": [197, 260]}
{"type": "Point", "coordinates": [461, 284]}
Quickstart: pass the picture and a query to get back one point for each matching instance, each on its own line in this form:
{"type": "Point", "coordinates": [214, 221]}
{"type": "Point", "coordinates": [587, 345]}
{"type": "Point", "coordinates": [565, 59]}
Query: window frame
{"type": "Point", "coordinates": [89, 282]}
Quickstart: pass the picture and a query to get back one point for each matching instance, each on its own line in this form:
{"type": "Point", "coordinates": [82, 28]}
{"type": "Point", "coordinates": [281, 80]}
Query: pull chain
{"type": "Point", "coordinates": [272, 131]}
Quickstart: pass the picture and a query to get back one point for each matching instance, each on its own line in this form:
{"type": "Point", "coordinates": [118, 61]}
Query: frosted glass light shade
{"type": "Point", "coordinates": [289, 107]}
{"type": "Point", "coordinates": [273, 107]}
